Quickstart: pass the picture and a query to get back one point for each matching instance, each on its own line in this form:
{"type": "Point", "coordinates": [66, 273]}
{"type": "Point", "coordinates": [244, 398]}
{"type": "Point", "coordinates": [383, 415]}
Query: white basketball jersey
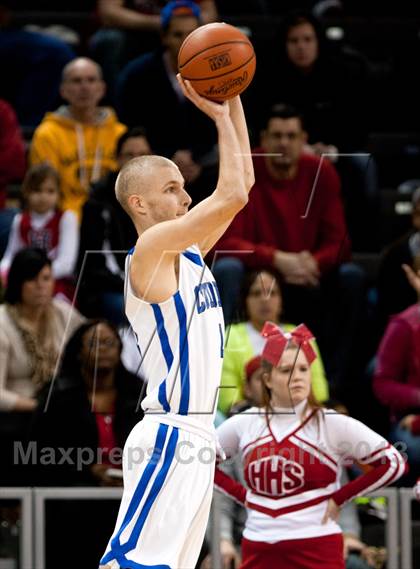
{"type": "Point", "coordinates": [181, 342]}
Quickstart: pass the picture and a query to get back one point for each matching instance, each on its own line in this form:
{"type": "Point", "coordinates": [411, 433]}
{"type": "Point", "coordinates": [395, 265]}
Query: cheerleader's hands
{"type": "Point", "coordinates": [332, 512]}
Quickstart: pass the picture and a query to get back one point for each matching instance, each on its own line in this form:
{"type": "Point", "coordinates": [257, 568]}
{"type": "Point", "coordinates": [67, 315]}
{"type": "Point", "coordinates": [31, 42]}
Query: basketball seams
{"type": "Point", "coordinates": [218, 27]}
{"type": "Point", "coordinates": [222, 74]}
{"type": "Point", "coordinates": [248, 43]}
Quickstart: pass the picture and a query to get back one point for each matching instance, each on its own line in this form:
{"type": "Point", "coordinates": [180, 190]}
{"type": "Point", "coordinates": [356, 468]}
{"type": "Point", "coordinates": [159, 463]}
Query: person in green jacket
{"type": "Point", "coordinates": [262, 301]}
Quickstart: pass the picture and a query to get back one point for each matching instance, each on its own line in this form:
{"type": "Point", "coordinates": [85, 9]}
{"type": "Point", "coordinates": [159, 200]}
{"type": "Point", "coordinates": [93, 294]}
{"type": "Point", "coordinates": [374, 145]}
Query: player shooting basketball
{"type": "Point", "coordinates": [173, 306]}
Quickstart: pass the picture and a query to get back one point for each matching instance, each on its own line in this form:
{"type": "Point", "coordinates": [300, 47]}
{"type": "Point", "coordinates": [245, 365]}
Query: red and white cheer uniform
{"type": "Point", "coordinates": [291, 468]}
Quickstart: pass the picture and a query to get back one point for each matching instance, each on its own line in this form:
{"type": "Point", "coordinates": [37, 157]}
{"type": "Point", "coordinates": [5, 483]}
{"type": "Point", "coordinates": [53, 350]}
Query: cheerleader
{"type": "Point", "coordinates": [293, 452]}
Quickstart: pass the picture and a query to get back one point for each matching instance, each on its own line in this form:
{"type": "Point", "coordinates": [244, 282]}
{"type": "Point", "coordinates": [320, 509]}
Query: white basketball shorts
{"type": "Point", "coordinates": [168, 486]}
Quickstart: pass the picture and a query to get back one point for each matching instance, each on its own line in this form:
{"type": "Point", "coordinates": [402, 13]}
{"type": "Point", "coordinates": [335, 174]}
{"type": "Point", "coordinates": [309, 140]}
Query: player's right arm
{"type": "Point", "coordinates": [156, 248]}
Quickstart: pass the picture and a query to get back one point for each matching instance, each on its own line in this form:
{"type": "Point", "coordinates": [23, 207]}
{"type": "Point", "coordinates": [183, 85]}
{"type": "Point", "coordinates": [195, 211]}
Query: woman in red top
{"type": "Point", "coordinates": [292, 453]}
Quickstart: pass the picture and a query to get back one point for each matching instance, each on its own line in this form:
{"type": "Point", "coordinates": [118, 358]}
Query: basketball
{"type": "Point", "coordinates": [218, 60]}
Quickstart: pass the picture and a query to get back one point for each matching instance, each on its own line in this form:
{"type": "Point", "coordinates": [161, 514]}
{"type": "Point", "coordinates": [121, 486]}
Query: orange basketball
{"type": "Point", "coordinates": [219, 60]}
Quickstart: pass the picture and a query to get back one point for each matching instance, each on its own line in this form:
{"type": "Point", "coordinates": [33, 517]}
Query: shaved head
{"type": "Point", "coordinates": [80, 62]}
{"type": "Point", "coordinates": [134, 177]}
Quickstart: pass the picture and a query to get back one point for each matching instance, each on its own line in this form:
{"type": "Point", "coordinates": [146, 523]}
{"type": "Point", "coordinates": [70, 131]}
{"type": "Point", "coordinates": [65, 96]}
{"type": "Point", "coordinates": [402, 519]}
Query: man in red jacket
{"type": "Point", "coordinates": [295, 222]}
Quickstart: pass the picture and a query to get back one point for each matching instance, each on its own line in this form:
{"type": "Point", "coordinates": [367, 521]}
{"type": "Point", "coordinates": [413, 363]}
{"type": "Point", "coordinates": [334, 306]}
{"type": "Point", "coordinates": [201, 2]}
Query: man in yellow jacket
{"type": "Point", "coordinates": [79, 139]}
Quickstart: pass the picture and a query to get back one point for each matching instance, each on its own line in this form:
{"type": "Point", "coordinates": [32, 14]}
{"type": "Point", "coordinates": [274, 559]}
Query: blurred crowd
{"type": "Point", "coordinates": [330, 236]}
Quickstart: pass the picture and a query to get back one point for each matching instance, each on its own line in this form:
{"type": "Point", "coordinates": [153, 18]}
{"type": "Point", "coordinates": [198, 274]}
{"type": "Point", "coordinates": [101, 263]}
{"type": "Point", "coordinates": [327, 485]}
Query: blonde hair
{"type": "Point", "coordinates": [132, 177]}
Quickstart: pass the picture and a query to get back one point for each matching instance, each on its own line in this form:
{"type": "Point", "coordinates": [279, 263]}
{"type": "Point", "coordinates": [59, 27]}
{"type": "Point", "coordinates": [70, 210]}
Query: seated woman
{"type": "Point", "coordinates": [292, 453]}
{"type": "Point", "coordinates": [261, 301]}
{"type": "Point", "coordinates": [81, 425]}
{"type": "Point", "coordinates": [91, 408]}
{"type": "Point", "coordinates": [397, 376]}
{"type": "Point", "coordinates": [33, 328]}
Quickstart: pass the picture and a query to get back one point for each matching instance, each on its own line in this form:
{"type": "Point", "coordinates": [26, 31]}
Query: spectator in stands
{"type": "Point", "coordinates": [331, 92]}
{"type": "Point", "coordinates": [45, 226]}
{"type": "Point", "coordinates": [131, 28]}
{"type": "Point", "coordinates": [326, 86]}
{"type": "Point", "coordinates": [93, 404]}
{"type": "Point", "coordinates": [394, 291]}
{"type": "Point", "coordinates": [294, 222]}
{"type": "Point", "coordinates": [12, 149]}
{"type": "Point", "coordinates": [105, 227]}
{"type": "Point", "coordinates": [397, 375]}
{"type": "Point", "coordinates": [79, 139]}
{"type": "Point", "coordinates": [91, 408]}
{"type": "Point", "coordinates": [148, 94]}
{"type": "Point", "coordinates": [261, 301]}
{"type": "Point", "coordinates": [33, 327]}
{"type": "Point", "coordinates": [30, 67]}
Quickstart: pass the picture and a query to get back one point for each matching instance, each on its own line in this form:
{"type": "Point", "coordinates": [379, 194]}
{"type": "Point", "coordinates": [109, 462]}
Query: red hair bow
{"type": "Point", "coordinates": [277, 341]}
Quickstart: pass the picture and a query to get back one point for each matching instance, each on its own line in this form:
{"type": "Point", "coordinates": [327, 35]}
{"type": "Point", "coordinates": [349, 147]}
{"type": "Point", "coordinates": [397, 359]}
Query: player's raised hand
{"type": "Point", "coordinates": [214, 110]}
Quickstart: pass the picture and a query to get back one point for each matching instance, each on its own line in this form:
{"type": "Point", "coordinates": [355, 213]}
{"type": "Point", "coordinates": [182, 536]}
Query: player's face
{"type": "Point", "coordinates": [167, 199]}
{"type": "Point", "coordinates": [302, 45]}
{"type": "Point", "coordinates": [100, 348]}
{"type": "Point", "coordinates": [290, 381]}
{"type": "Point", "coordinates": [179, 28]}
{"type": "Point", "coordinates": [283, 140]}
{"type": "Point", "coordinates": [43, 198]}
{"type": "Point", "coordinates": [37, 292]}
{"type": "Point", "coordinates": [83, 86]}
{"type": "Point", "coordinates": [133, 148]}
{"type": "Point", "coordinates": [264, 301]}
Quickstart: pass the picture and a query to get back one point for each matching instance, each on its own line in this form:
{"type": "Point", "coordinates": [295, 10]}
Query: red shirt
{"type": "Point", "coordinates": [303, 213]}
{"type": "Point", "coordinates": [12, 149]}
{"type": "Point", "coordinates": [107, 439]}
{"type": "Point", "coordinates": [45, 237]}
{"type": "Point", "coordinates": [397, 375]}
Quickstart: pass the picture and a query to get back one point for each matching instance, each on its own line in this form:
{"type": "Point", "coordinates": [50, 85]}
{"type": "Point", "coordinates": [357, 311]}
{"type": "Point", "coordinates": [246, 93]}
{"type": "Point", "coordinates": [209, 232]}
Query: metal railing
{"type": "Point", "coordinates": [398, 527]}
{"type": "Point", "coordinates": [25, 496]}
{"type": "Point", "coordinates": [406, 496]}
{"type": "Point", "coordinates": [43, 494]}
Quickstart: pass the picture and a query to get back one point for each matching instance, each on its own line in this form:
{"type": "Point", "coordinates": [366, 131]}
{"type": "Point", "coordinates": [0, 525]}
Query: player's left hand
{"type": "Point", "coordinates": [332, 512]}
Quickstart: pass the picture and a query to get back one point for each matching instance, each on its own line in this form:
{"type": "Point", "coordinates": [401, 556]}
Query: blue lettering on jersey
{"type": "Point", "coordinates": [207, 296]}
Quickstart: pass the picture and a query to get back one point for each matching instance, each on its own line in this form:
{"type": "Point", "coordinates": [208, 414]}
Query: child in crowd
{"type": "Point", "coordinates": [42, 224]}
